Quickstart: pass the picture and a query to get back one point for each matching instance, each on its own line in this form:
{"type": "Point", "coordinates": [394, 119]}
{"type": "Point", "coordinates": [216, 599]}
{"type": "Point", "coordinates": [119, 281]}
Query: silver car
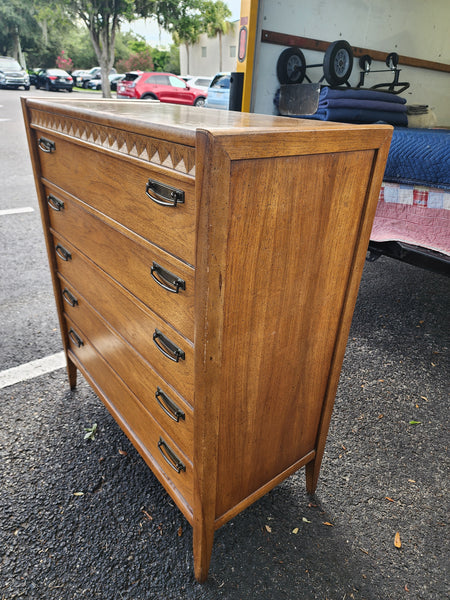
{"type": "Point", "coordinates": [12, 75]}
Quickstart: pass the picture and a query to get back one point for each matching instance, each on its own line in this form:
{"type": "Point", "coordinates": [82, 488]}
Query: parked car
{"type": "Point", "coordinates": [164, 87]}
{"type": "Point", "coordinates": [12, 75]}
{"type": "Point", "coordinates": [54, 79]}
{"type": "Point", "coordinates": [219, 92]}
{"type": "Point", "coordinates": [83, 79]}
{"type": "Point", "coordinates": [96, 83]}
{"type": "Point", "coordinates": [199, 82]}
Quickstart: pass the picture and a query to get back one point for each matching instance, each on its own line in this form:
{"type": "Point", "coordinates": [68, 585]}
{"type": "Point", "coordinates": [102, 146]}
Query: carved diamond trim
{"type": "Point", "coordinates": [158, 152]}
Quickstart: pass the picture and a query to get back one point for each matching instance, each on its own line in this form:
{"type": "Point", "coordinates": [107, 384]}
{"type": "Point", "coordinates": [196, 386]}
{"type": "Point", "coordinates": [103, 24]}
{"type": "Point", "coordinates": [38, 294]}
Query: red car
{"type": "Point", "coordinates": [164, 87]}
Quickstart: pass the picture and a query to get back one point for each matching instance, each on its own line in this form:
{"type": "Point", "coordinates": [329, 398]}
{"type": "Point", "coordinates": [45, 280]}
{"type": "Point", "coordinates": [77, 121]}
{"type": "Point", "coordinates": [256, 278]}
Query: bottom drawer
{"type": "Point", "coordinates": [167, 461]}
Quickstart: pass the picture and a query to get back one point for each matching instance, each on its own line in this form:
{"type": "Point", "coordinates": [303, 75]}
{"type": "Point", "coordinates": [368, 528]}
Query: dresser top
{"type": "Point", "coordinates": [183, 121]}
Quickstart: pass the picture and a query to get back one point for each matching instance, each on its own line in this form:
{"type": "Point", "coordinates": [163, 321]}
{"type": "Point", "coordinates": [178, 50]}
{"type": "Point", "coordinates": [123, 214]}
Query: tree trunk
{"type": "Point", "coordinates": [220, 51]}
{"type": "Point", "coordinates": [103, 41]}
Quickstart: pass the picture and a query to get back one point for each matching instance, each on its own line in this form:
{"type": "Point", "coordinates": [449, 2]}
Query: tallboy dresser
{"type": "Point", "coordinates": [205, 267]}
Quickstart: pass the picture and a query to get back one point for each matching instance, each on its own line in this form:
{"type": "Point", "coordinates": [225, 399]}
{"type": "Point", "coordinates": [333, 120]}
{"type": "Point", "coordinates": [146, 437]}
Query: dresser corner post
{"type": "Point", "coordinates": [202, 546]}
{"type": "Point", "coordinates": [71, 373]}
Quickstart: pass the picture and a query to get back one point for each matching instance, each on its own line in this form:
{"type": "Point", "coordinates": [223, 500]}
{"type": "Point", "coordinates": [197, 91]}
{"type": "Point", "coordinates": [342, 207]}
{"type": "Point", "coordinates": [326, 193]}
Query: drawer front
{"type": "Point", "coordinates": [134, 323]}
{"type": "Point", "coordinates": [169, 409]}
{"type": "Point", "coordinates": [135, 416]}
{"type": "Point", "coordinates": [129, 262]}
{"type": "Point", "coordinates": [118, 188]}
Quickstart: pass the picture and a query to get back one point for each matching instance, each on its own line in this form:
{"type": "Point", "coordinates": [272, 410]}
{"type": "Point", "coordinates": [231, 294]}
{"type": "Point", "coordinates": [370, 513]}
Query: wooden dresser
{"type": "Point", "coordinates": [205, 266]}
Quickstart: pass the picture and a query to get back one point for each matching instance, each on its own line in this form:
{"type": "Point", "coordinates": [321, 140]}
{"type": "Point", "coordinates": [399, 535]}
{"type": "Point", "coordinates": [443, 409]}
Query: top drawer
{"type": "Point", "coordinates": [118, 187]}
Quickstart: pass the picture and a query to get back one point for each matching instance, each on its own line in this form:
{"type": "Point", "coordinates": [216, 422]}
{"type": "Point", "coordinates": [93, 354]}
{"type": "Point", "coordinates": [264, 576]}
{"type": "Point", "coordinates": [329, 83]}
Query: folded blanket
{"type": "Point", "coordinates": [360, 94]}
{"type": "Point", "coordinates": [419, 157]}
{"type": "Point", "coordinates": [358, 115]}
{"type": "Point", "coordinates": [362, 103]}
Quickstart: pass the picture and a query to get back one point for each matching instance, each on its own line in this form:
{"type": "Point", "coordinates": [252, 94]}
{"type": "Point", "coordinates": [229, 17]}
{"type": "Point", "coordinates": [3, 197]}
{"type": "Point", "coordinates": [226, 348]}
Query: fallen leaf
{"type": "Point", "coordinates": [180, 531]}
{"type": "Point", "coordinates": [423, 397]}
{"type": "Point", "coordinates": [295, 530]}
{"type": "Point", "coordinates": [78, 493]}
{"type": "Point", "coordinates": [305, 520]}
{"type": "Point", "coordinates": [149, 516]}
{"type": "Point", "coordinates": [268, 529]}
{"type": "Point", "coordinates": [329, 524]}
{"type": "Point", "coordinates": [412, 480]}
{"type": "Point", "coordinates": [415, 422]}
{"type": "Point", "coordinates": [406, 588]}
{"type": "Point", "coordinates": [122, 452]}
{"type": "Point", "coordinates": [397, 541]}
{"type": "Point", "coordinates": [390, 499]}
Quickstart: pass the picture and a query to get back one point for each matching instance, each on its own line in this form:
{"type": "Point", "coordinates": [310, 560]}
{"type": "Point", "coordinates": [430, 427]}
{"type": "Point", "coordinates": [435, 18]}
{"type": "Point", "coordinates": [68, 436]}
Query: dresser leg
{"type": "Point", "coordinates": [203, 543]}
{"type": "Point", "coordinates": [312, 475]}
{"type": "Point", "coordinates": [72, 373]}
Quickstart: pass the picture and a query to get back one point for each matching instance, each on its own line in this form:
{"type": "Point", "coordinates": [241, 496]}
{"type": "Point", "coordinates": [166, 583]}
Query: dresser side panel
{"type": "Point", "coordinates": [294, 226]}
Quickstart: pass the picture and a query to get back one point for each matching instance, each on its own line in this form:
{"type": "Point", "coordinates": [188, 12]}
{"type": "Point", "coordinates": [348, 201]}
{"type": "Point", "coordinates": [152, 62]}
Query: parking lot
{"type": "Point", "coordinates": [87, 519]}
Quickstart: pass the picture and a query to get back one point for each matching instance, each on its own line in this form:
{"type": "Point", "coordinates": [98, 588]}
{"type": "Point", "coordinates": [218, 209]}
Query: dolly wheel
{"type": "Point", "coordinates": [291, 66]}
{"type": "Point", "coordinates": [338, 62]}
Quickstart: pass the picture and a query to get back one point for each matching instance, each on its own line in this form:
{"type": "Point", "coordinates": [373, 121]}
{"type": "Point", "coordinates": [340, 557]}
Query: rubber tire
{"type": "Point", "coordinates": [365, 61]}
{"type": "Point", "coordinates": [47, 86]}
{"type": "Point", "coordinates": [291, 66]}
{"type": "Point", "coordinates": [26, 87]}
{"type": "Point", "coordinates": [148, 97]}
{"type": "Point", "coordinates": [200, 101]}
{"type": "Point", "coordinates": [337, 53]}
{"type": "Point", "coordinates": [392, 58]}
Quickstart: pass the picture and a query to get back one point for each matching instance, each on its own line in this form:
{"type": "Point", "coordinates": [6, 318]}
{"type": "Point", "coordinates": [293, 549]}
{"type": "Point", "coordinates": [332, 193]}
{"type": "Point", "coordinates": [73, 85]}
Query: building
{"type": "Point", "coordinates": [204, 56]}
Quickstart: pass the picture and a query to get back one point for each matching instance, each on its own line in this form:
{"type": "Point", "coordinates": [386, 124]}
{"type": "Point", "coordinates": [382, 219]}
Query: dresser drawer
{"type": "Point", "coordinates": [129, 262]}
{"type": "Point", "coordinates": [132, 321]}
{"type": "Point", "coordinates": [164, 404]}
{"type": "Point", "coordinates": [118, 188]}
{"type": "Point", "coordinates": [132, 413]}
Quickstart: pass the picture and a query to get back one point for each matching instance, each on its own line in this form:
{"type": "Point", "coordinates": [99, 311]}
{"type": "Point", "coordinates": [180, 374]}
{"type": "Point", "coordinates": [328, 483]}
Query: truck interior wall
{"type": "Point", "coordinates": [409, 27]}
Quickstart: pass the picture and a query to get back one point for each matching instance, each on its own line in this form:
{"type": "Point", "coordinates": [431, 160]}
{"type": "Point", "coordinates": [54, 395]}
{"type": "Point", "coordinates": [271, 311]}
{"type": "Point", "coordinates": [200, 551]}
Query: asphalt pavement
{"type": "Point", "coordinates": [87, 519]}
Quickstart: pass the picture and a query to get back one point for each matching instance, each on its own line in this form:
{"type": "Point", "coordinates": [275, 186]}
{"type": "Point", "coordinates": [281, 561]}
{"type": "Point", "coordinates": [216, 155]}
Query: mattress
{"type": "Point", "coordinates": [413, 214]}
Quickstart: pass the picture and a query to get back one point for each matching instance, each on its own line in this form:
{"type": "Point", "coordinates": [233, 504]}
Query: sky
{"type": "Point", "coordinates": [149, 29]}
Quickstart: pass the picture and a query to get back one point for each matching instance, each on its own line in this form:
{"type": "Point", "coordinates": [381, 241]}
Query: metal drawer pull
{"type": "Point", "coordinates": [168, 278]}
{"type": "Point", "coordinates": [46, 145]}
{"type": "Point", "coordinates": [69, 297]}
{"type": "Point", "coordinates": [169, 406]}
{"type": "Point", "coordinates": [170, 457]}
{"type": "Point", "coordinates": [62, 252]}
{"type": "Point", "coordinates": [55, 203]}
{"type": "Point", "coordinates": [163, 194]}
{"type": "Point", "coordinates": [167, 347]}
{"type": "Point", "coordinates": [75, 338]}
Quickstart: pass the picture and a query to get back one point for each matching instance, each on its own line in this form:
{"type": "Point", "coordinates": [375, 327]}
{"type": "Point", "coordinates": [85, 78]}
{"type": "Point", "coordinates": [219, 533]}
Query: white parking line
{"type": "Point", "coordinates": [32, 369]}
{"type": "Point", "coordinates": [16, 211]}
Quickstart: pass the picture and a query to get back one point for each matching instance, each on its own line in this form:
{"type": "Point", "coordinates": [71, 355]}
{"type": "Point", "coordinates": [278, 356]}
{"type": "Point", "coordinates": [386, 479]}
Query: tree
{"type": "Point", "coordinates": [102, 19]}
{"type": "Point", "coordinates": [187, 26]}
{"type": "Point", "coordinates": [17, 23]}
{"type": "Point", "coordinates": [215, 15]}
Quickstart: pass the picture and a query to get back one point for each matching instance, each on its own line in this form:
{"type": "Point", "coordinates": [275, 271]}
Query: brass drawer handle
{"type": "Point", "coordinates": [55, 203]}
{"type": "Point", "coordinates": [69, 297]}
{"type": "Point", "coordinates": [169, 406]}
{"type": "Point", "coordinates": [166, 347]}
{"type": "Point", "coordinates": [62, 252]}
{"type": "Point", "coordinates": [46, 145]}
{"type": "Point", "coordinates": [73, 335]}
{"type": "Point", "coordinates": [170, 457]}
{"type": "Point", "coordinates": [168, 279]}
{"type": "Point", "coordinates": [163, 194]}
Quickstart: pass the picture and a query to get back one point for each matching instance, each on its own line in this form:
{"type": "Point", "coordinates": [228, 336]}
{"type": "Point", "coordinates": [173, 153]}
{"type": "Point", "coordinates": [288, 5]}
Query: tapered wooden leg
{"type": "Point", "coordinates": [72, 373]}
{"type": "Point", "coordinates": [203, 543]}
{"type": "Point", "coordinates": [312, 476]}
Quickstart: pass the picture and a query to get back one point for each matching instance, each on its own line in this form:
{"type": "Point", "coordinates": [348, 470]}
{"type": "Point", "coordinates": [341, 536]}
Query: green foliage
{"type": "Point", "coordinates": [215, 15]}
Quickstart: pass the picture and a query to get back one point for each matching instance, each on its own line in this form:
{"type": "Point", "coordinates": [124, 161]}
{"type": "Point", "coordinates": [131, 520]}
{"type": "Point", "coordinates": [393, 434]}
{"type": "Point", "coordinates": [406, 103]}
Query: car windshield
{"type": "Point", "coordinates": [221, 81]}
{"type": "Point", "coordinates": [9, 63]}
